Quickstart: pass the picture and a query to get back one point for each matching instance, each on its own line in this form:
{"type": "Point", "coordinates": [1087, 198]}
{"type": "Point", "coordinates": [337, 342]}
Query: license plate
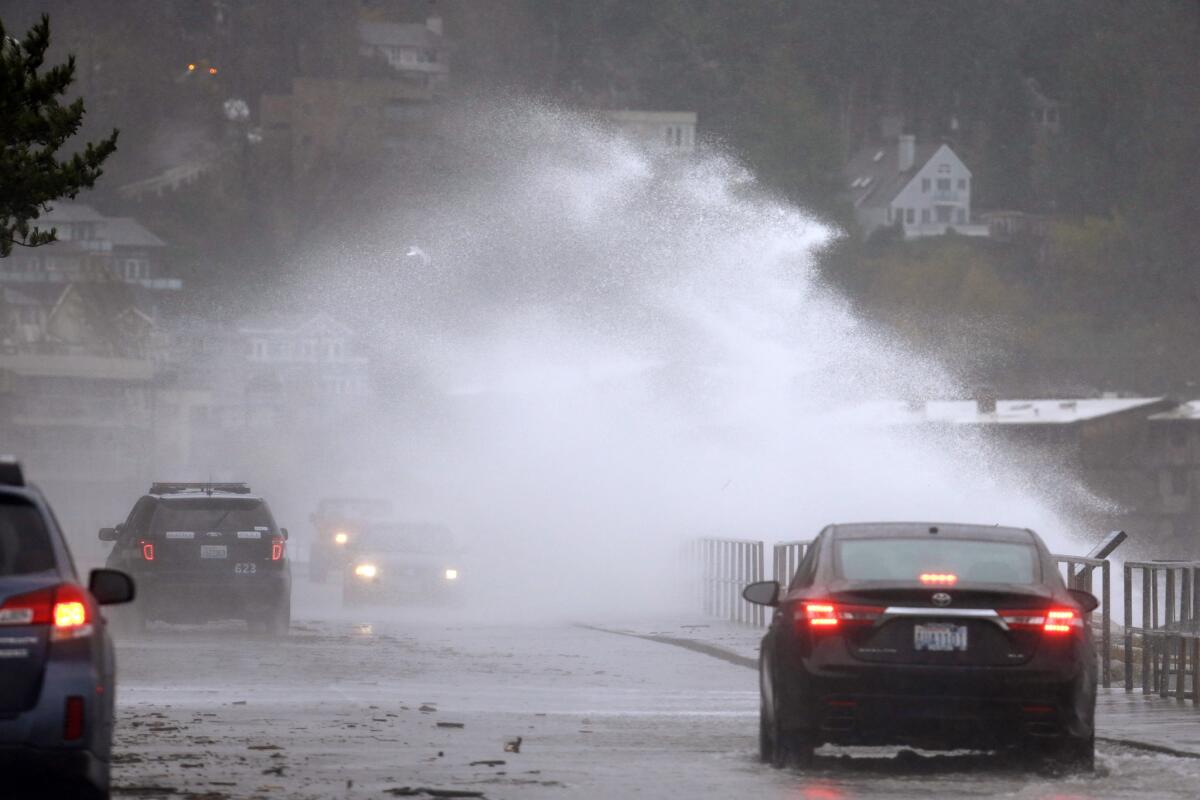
{"type": "Point", "coordinates": [940, 637]}
{"type": "Point", "coordinates": [213, 551]}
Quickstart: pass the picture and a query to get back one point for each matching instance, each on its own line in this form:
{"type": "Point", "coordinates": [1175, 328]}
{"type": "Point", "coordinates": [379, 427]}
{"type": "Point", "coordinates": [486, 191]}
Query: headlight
{"type": "Point", "coordinates": [341, 538]}
{"type": "Point", "coordinates": [365, 570]}
{"type": "Point", "coordinates": [451, 574]}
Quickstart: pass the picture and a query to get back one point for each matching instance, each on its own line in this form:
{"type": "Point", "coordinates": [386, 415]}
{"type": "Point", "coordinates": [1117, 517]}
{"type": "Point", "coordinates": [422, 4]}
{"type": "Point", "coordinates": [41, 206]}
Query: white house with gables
{"type": "Point", "coordinates": [923, 190]}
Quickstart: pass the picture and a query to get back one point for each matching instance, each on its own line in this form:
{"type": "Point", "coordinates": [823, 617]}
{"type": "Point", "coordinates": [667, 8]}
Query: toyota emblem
{"type": "Point", "coordinates": [941, 599]}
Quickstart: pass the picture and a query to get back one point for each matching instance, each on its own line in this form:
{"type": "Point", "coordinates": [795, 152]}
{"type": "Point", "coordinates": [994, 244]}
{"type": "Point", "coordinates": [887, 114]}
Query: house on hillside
{"type": "Point", "coordinates": [419, 53]}
{"type": "Point", "coordinates": [674, 131]}
{"type": "Point", "coordinates": [91, 247]}
{"type": "Point", "coordinates": [920, 189]}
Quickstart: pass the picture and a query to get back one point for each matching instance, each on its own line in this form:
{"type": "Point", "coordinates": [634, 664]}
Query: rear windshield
{"type": "Point", "coordinates": [424, 539]}
{"type": "Point", "coordinates": [202, 515]}
{"type": "Point", "coordinates": [24, 541]}
{"type": "Point", "coordinates": [972, 561]}
{"type": "Point", "coordinates": [355, 508]}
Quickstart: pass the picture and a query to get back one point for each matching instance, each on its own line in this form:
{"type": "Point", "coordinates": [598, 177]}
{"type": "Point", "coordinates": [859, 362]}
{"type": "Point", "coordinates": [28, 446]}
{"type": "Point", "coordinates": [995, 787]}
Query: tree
{"type": "Point", "coordinates": [34, 126]}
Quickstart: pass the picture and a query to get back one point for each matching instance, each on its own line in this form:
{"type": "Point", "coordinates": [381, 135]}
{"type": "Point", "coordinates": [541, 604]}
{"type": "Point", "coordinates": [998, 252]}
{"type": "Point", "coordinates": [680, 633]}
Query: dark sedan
{"type": "Point", "coordinates": [934, 636]}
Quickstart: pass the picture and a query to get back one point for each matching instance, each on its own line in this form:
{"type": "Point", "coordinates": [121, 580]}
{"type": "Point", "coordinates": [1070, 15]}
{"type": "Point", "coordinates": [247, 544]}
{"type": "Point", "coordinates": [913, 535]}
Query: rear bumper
{"type": "Point", "coordinates": [37, 766]}
{"type": "Point", "coordinates": [31, 742]}
{"type": "Point", "coordinates": [939, 708]}
{"type": "Point", "coordinates": [186, 597]}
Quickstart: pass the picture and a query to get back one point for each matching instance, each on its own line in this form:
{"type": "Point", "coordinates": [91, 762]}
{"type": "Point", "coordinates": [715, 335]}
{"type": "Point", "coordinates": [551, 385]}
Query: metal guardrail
{"type": "Point", "coordinates": [1078, 575]}
{"type": "Point", "coordinates": [786, 558]}
{"type": "Point", "coordinates": [1169, 633]}
{"type": "Point", "coordinates": [726, 566]}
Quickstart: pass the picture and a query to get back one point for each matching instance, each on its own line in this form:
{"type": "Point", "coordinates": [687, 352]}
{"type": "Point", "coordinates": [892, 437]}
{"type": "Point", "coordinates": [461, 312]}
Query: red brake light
{"type": "Point", "coordinates": [828, 616]}
{"type": "Point", "coordinates": [1054, 621]}
{"type": "Point", "coordinates": [821, 615]}
{"type": "Point", "coordinates": [1061, 620]}
{"type": "Point", "coordinates": [939, 578]}
{"type": "Point", "coordinates": [276, 547]}
{"type": "Point", "coordinates": [148, 551]}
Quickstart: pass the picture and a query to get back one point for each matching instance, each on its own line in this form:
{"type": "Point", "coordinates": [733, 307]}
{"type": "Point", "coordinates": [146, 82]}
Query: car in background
{"type": "Point", "coordinates": [57, 667]}
{"type": "Point", "coordinates": [337, 523]}
{"type": "Point", "coordinates": [402, 562]}
{"type": "Point", "coordinates": [205, 551]}
{"type": "Point", "coordinates": [927, 635]}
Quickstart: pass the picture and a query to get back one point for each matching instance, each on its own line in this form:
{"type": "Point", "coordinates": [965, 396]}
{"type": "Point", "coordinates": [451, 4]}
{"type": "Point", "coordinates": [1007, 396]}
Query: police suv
{"type": "Point", "coordinates": [202, 552]}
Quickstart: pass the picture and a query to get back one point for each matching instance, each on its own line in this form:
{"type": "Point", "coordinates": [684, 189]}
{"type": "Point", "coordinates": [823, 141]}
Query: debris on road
{"type": "Point", "coordinates": [451, 725]}
{"type": "Point", "coordinates": [513, 746]}
{"type": "Point", "coordinates": [408, 791]}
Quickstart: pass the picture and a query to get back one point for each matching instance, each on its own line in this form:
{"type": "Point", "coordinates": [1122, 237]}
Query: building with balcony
{"type": "Point", "coordinates": [91, 247]}
{"type": "Point", "coordinates": [917, 189]}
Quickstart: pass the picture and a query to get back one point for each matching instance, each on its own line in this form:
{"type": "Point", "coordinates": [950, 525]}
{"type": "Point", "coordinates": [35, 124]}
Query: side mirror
{"type": "Point", "coordinates": [108, 534]}
{"type": "Point", "coordinates": [109, 586]}
{"type": "Point", "coordinates": [763, 593]}
{"type": "Point", "coordinates": [283, 532]}
{"type": "Point", "coordinates": [1087, 601]}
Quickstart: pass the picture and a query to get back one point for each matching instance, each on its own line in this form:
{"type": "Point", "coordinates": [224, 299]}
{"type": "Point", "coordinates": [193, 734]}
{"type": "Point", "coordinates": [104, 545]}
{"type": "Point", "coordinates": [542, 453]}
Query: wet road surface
{"type": "Point", "coordinates": [368, 707]}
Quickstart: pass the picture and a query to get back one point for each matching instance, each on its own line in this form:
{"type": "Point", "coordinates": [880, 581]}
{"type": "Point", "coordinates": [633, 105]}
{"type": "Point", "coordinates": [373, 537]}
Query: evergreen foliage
{"type": "Point", "coordinates": [34, 127]}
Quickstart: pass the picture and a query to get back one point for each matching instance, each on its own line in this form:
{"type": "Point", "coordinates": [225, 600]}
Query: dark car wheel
{"type": "Point", "coordinates": [281, 620]}
{"type": "Point", "coordinates": [1078, 754]}
{"type": "Point", "coordinates": [786, 748]}
{"type": "Point", "coordinates": [766, 751]}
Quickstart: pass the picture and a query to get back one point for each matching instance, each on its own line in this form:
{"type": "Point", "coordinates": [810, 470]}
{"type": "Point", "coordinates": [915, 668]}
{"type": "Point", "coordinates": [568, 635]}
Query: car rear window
{"type": "Point", "coordinates": [25, 546]}
{"type": "Point", "coordinates": [971, 560]}
{"type": "Point", "coordinates": [422, 539]}
{"type": "Point", "coordinates": [226, 515]}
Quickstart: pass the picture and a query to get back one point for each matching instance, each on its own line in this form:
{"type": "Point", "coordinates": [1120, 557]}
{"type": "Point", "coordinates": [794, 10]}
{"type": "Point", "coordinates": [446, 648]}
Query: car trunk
{"type": "Point", "coordinates": [213, 535]}
{"type": "Point", "coordinates": [916, 631]}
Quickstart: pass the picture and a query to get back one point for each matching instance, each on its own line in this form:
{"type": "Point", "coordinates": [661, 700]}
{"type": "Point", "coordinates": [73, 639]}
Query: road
{"type": "Point", "coordinates": [365, 705]}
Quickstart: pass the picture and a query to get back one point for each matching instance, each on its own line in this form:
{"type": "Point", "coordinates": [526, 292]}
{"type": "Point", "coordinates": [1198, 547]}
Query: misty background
{"type": "Point", "coordinates": [444, 253]}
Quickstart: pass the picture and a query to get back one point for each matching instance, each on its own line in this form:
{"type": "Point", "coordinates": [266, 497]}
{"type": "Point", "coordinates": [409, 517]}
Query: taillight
{"type": "Point", "coordinates": [148, 551]}
{"type": "Point", "coordinates": [73, 718]}
{"type": "Point", "coordinates": [939, 578]}
{"type": "Point", "coordinates": [824, 615]}
{"type": "Point", "coordinates": [1061, 620]}
{"type": "Point", "coordinates": [64, 608]}
{"type": "Point", "coordinates": [276, 547]}
{"type": "Point", "coordinates": [1055, 621]}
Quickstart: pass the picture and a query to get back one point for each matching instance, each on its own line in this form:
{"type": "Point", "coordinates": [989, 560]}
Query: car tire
{"type": "Point", "coordinates": [766, 750]}
{"type": "Point", "coordinates": [281, 620]}
{"type": "Point", "coordinates": [1078, 754]}
{"type": "Point", "coordinates": [787, 748]}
